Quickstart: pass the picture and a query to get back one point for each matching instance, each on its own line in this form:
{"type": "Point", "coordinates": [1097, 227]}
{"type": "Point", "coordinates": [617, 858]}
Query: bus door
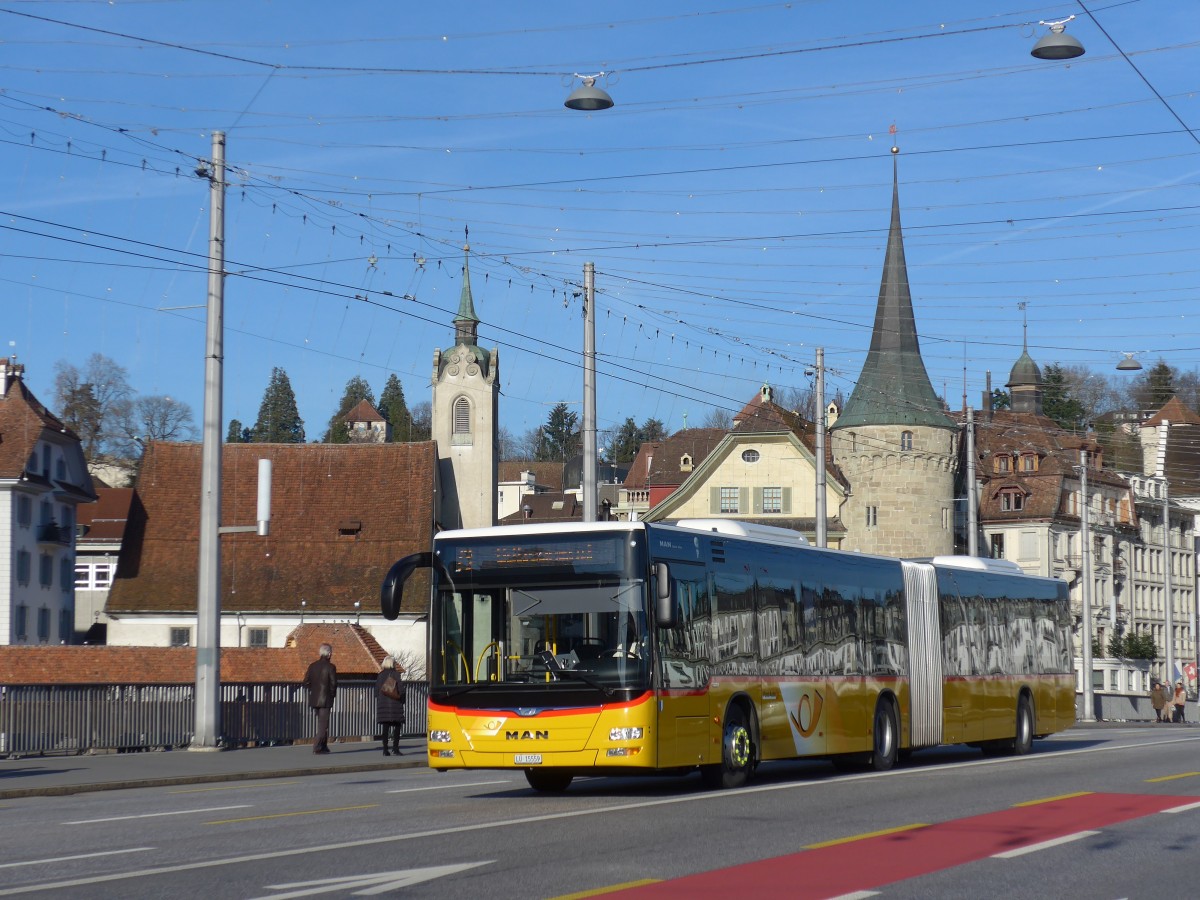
{"type": "Point", "coordinates": [684, 671]}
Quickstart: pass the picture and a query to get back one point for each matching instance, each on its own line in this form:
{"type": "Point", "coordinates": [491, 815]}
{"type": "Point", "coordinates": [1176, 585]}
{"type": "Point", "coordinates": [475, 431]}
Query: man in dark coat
{"type": "Point", "coordinates": [321, 681]}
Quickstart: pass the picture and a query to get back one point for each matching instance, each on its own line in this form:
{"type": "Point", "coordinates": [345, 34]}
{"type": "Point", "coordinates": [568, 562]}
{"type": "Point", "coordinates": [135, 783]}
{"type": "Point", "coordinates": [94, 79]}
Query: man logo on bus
{"type": "Point", "coordinates": [810, 709]}
{"type": "Point", "coordinates": [527, 735]}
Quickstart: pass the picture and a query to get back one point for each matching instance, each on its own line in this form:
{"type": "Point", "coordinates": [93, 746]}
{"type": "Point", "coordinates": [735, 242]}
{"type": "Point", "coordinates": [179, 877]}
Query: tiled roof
{"type": "Point", "coordinates": [23, 419]}
{"type": "Point", "coordinates": [639, 470]}
{"type": "Point", "coordinates": [363, 412]}
{"type": "Point", "coordinates": [341, 515]}
{"type": "Point", "coordinates": [761, 416]}
{"type": "Point", "coordinates": [1175, 412]}
{"type": "Point", "coordinates": [554, 506]}
{"type": "Point", "coordinates": [355, 653]}
{"type": "Point", "coordinates": [695, 443]}
{"type": "Point", "coordinates": [549, 474]}
{"type": "Point", "coordinates": [104, 521]}
{"type": "Point", "coordinates": [1045, 490]}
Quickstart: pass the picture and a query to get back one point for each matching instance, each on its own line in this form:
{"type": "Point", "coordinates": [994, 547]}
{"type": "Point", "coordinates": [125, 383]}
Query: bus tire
{"type": "Point", "coordinates": [548, 781]}
{"type": "Point", "coordinates": [737, 753]}
{"type": "Point", "coordinates": [886, 737]}
{"type": "Point", "coordinates": [1023, 742]}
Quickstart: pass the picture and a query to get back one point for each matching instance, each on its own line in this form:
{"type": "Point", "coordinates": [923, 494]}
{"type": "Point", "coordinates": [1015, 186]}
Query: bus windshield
{"type": "Point", "coordinates": [548, 610]}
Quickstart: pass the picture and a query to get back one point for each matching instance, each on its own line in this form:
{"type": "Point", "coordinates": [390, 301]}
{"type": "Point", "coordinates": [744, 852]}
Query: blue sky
{"type": "Point", "coordinates": [735, 201]}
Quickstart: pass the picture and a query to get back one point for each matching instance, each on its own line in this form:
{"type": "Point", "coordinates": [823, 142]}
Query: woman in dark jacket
{"type": "Point", "coordinates": [390, 710]}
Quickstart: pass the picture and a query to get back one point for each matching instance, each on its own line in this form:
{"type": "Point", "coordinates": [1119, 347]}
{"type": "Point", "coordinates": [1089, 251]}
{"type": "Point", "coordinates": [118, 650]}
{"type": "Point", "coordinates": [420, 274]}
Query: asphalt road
{"type": "Point", "coordinates": [1095, 814]}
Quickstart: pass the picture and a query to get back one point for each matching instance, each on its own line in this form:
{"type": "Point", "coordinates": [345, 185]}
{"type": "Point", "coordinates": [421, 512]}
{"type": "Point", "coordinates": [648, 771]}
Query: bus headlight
{"type": "Point", "coordinates": [439, 737]}
{"type": "Point", "coordinates": [625, 734]}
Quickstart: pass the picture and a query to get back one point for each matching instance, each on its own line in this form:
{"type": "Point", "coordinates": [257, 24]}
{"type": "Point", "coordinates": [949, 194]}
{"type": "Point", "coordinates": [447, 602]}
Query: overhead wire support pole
{"type": "Point", "coordinates": [819, 496]}
{"type": "Point", "coordinates": [1167, 604]}
{"type": "Point", "coordinates": [589, 392]}
{"type": "Point", "coordinates": [208, 600]}
{"type": "Point", "coordinates": [1085, 550]}
{"type": "Point", "coordinates": [972, 504]}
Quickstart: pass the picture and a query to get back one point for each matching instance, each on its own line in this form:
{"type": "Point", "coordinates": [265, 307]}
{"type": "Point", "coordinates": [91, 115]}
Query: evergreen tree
{"type": "Point", "coordinates": [356, 391]}
{"type": "Point", "coordinates": [1000, 399]}
{"type": "Point", "coordinates": [1059, 402]}
{"type": "Point", "coordinates": [623, 444]}
{"type": "Point", "coordinates": [560, 435]}
{"type": "Point", "coordinates": [237, 433]}
{"type": "Point", "coordinates": [1155, 387]}
{"type": "Point", "coordinates": [279, 419]}
{"type": "Point", "coordinates": [393, 408]}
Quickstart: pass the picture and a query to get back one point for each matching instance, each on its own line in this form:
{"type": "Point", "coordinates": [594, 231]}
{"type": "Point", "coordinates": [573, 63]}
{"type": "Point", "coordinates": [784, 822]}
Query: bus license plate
{"type": "Point", "coordinates": [528, 759]}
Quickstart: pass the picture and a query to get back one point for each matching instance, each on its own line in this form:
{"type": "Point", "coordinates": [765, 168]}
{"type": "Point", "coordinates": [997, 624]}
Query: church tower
{"type": "Point", "coordinates": [893, 440]}
{"type": "Point", "coordinates": [1025, 380]}
{"type": "Point", "coordinates": [466, 388]}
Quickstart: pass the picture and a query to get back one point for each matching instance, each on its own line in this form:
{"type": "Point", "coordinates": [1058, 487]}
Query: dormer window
{"type": "Point", "coordinates": [1012, 499]}
{"type": "Point", "coordinates": [1029, 462]}
{"type": "Point", "coordinates": [1000, 464]}
{"type": "Point", "coordinates": [685, 463]}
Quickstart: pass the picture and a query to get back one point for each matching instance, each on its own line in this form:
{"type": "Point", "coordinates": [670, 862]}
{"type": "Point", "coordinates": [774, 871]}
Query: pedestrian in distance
{"type": "Point", "coordinates": [1180, 702]}
{"type": "Point", "coordinates": [321, 681]}
{"type": "Point", "coordinates": [389, 703]}
{"type": "Point", "coordinates": [1158, 699]}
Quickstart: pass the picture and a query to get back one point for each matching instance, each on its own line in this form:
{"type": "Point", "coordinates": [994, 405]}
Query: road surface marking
{"type": "Point", "coordinates": [446, 787]}
{"type": "Point", "coordinates": [1187, 807]}
{"type": "Point", "coordinates": [1044, 845]}
{"type": "Point", "coordinates": [865, 836]}
{"type": "Point", "coordinates": [857, 868]}
{"type": "Point", "coordinates": [708, 796]}
{"type": "Point", "coordinates": [376, 883]}
{"type": "Point", "coordinates": [178, 812]}
{"type": "Point", "coordinates": [1171, 777]}
{"type": "Point", "coordinates": [1053, 799]}
{"type": "Point", "coordinates": [611, 889]}
{"type": "Point", "coordinates": [58, 859]}
{"type": "Point", "coordinates": [287, 815]}
{"type": "Point", "coordinates": [234, 787]}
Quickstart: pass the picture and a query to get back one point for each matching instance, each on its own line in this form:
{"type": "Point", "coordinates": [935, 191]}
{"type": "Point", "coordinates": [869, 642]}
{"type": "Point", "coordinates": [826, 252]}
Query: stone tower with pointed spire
{"type": "Point", "coordinates": [466, 388]}
{"type": "Point", "coordinates": [893, 440]}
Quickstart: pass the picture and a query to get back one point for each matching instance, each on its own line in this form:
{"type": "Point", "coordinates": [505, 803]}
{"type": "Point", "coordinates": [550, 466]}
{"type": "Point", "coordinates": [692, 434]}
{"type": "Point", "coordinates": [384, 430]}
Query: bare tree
{"type": "Point", "coordinates": [718, 418]}
{"type": "Point", "coordinates": [153, 418]}
{"type": "Point", "coordinates": [91, 400]}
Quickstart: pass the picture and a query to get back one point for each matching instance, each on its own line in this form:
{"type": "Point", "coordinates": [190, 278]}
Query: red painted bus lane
{"type": "Point", "coordinates": [868, 863]}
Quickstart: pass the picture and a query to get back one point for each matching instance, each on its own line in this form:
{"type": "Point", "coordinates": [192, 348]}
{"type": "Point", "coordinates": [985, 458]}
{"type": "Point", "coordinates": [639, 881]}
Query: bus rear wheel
{"type": "Point", "coordinates": [548, 780]}
{"type": "Point", "coordinates": [737, 754]}
{"type": "Point", "coordinates": [886, 739]}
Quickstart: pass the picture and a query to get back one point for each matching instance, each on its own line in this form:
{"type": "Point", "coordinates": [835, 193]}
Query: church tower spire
{"type": "Point", "coordinates": [893, 441]}
{"type": "Point", "coordinates": [466, 389]}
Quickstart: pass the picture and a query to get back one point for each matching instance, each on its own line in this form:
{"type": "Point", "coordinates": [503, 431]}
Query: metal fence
{"type": "Point", "coordinates": [36, 719]}
{"type": "Point", "coordinates": [1109, 707]}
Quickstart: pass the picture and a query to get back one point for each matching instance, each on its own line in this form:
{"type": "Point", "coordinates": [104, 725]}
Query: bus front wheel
{"type": "Point", "coordinates": [886, 740]}
{"type": "Point", "coordinates": [737, 753]}
{"type": "Point", "coordinates": [547, 780]}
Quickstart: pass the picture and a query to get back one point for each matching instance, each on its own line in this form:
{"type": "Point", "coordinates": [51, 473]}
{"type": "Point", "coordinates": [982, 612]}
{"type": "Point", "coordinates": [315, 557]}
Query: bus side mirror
{"type": "Point", "coordinates": [664, 605]}
{"type": "Point", "coordinates": [393, 585]}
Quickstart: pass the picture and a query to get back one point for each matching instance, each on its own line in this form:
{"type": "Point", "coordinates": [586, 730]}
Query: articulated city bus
{"type": "Point", "coordinates": [622, 647]}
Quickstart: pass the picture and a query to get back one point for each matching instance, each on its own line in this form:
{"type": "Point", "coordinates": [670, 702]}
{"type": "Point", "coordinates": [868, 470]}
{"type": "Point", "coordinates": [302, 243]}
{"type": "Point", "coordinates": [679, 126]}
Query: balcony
{"type": "Point", "coordinates": [53, 533]}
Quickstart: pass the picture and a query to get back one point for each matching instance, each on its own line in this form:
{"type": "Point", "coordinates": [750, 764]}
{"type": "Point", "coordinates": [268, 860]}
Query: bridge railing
{"type": "Point", "coordinates": [37, 719]}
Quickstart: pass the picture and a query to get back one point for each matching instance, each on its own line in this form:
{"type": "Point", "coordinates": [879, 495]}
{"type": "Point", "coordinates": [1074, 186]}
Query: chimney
{"type": "Point", "coordinates": [10, 372]}
{"type": "Point", "coordinates": [987, 398]}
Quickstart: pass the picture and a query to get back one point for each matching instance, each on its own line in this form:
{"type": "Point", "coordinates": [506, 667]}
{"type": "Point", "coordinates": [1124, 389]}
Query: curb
{"type": "Point", "coordinates": [62, 790]}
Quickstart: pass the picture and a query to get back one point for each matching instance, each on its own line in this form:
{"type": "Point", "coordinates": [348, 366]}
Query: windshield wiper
{"type": "Point", "coordinates": [586, 679]}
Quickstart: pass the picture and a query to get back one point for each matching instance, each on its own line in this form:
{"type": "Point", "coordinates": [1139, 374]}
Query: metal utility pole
{"type": "Point", "coordinates": [1085, 536]}
{"type": "Point", "coordinates": [208, 600]}
{"type": "Point", "coordinates": [589, 392]}
{"type": "Point", "coordinates": [972, 504]}
{"type": "Point", "coordinates": [819, 505]}
{"type": "Point", "coordinates": [1170, 614]}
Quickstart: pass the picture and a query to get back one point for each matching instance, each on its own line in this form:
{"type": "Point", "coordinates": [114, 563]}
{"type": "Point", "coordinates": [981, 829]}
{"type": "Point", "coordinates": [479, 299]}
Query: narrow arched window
{"type": "Point", "coordinates": [462, 416]}
{"type": "Point", "coordinates": [906, 440]}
